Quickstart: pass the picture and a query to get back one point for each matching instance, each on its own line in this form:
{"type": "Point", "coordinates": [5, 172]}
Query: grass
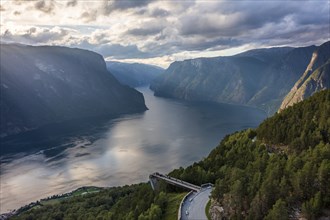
{"type": "Point", "coordinates": [78, 192]}
{"type": "Point", "coordinates": [52, 201]}
{"type": "Point", "coordinates": [207, 208]}
{"type": "Point", "coordinates": [84, 190]}
{"type": "Point", "coordinates": [171, 211]}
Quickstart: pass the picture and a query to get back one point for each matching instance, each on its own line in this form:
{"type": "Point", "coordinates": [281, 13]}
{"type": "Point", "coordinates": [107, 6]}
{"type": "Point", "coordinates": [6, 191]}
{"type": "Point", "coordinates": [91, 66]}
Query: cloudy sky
{"type": "Point", "coordinates": [160, 32]}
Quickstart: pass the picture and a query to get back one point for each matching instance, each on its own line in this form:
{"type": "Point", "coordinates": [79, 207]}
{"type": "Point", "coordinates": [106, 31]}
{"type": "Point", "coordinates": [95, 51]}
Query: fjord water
{"type": "Point", "coordinates": [124, 150]}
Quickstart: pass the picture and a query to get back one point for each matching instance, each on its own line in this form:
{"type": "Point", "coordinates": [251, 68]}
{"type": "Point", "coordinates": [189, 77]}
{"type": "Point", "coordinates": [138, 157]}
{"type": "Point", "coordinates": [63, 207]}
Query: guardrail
{"type": "Point", "coordinates": [182, 201]}
{"type": "Point", "coordinates": [206, 185]}
{"type": "Point", "coordinates": [173, 181]}
{"type": "Point", "coordinates": [203, 186]}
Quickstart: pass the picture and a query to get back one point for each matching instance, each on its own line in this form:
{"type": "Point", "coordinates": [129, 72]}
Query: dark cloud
{"type": "Point", "coordinates": [220, 43]}
{"type": "Point", "coordinates": [122, 5]}
{"type": "Point", "coordinates": [169, 27]}
{"type": "Point", "coordinates": [193, 25]}
{"type": "Point", "coordinates": [100, 38]}
{"type": "Point", "coordinates": [155, 13]}
{"type": "Point", "coordinates": [116, 51]}
{"type": "Point", "coordinates": [121, 52]}
{"type": "Point", "coordinates": [170, 47]}
{"type": "Point", "coordinates": [16, 13]}
{"type": "Point", "coordinates": [246, 16]}
{"type": "Point", "coordinates": [295, 36]}
{"type": "Point", "coordinates": [32, 30]}
{"type": "Point", "coordinates": [35, 35]}
{"type": "Point", "coordinates": [158, 12]}
{"type": "Point", "coordinates": [145, 31]}
{"type": "Point", "coordinates": [71, 3]}
{"type": "Point", "coordinates": [89, 16]}
{"type": "Point", "coordinates": [45, 6]}
{"type": "Point", "coordinates": [235, 18]}
{"type": "Point", "coordinates": [229, 24]}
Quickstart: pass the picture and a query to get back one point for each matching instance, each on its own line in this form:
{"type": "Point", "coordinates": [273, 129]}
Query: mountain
{"type": "Point", "coordinates": [134, 74]}
{"type": "Point", "coordinates": [258, 78]}
{"type": "Point", "coordinates": [315, 78]}
{"type": "Point", "coordinates": [48, 84]}
{"type": "Point", "coordinates": [281, 170]}
{"type": "Point", "coordinates": [278, 170]}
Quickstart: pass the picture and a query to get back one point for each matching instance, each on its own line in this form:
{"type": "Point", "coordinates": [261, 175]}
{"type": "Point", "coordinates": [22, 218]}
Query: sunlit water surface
{"type": "Point", "coordinates": [125, 150]}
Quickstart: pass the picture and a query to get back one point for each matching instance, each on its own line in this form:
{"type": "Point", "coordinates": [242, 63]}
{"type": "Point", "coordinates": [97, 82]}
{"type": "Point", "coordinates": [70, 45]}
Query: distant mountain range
{"type": "Point", "coordinates": [134, 74]}
{"type": "Point", "coordinates": [48, 84]}
{"type": "Point", "coordinates": [315, 78]}
{"type": "Point", "coordinates": [260, 78]}
{"type": "Point", "coordinates": [278, 171]}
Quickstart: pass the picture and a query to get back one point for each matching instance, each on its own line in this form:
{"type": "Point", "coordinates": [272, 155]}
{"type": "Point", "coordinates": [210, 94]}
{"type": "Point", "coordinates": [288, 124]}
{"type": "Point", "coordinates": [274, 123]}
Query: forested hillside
{"type": "Point", "coordinates": [117, 203]}
{"type": "Point", "coordinates": [279, 170]}
{"type": "Point", "coordinates": [303, 126]}
{"type": "Point", "coordinates": [255, 179]}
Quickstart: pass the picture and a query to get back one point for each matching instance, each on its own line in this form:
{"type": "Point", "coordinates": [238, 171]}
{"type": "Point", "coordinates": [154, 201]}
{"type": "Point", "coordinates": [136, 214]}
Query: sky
{"type": "Point", "coordinates": [161, 32]}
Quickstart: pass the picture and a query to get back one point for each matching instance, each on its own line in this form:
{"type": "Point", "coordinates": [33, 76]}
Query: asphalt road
{"type": "Point", "coordinates": [195, 205]}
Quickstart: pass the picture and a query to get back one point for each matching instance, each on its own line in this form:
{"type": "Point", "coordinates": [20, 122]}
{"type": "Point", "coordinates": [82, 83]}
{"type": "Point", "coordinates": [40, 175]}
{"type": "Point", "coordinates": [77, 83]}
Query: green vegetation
{"type": "Point", "coordinates": [127, 202]}
{"type": "Point", "coordinates": [254, 180]}
{"type": "Point", "coordinates": [207, 209]}
{"type": "Point", "coordinates": [174, 200]}
{"type": "Point", "coordinates": [85, 190]}
{"type": "Point", "coordinates": [302, 126]}
{"type": "Point", "coordinates": [279, 169]}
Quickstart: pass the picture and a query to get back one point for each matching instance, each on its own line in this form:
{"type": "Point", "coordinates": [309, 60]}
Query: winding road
{"type": "Point", "coordinates": [194, 206]}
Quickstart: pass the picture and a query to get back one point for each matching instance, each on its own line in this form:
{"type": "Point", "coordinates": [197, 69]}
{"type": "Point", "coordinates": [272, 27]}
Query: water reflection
{"type": "Point", "coordinates": [124, 150]}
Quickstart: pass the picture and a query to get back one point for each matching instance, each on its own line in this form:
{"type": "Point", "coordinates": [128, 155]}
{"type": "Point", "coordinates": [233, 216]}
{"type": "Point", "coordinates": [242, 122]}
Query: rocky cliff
{"type": "Point", "coordinates": [48, 84]}
{"type": "Point", "coordinates": [258, 78]}
{"type": "Point", "coordinates": [315, 78]}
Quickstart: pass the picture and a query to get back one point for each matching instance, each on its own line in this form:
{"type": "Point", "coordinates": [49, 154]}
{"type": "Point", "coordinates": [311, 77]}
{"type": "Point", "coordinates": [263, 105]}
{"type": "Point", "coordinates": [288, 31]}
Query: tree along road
{"type": "Point", "coordinates": [194, 206]}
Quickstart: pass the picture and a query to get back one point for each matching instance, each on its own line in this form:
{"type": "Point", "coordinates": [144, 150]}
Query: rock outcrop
{"type": "Point", "coordinates": [315, 78]}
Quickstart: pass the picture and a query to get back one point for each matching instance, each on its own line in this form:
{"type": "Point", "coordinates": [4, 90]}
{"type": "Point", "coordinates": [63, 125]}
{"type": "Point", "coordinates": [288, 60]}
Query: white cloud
{"type": "Point", "coordinates": [163, 31]}
{"type": "Point", "coordinates": [36, 35]}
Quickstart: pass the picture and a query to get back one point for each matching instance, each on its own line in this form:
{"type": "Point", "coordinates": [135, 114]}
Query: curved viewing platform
{"type": "Point", "coordinates": [194, 203]}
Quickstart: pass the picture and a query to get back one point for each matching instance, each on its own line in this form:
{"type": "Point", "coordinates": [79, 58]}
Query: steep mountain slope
{"type": "Point", "coordinates": [46, 84]}
{"type": "Point", "coordinates": [315, 78]}
{"type": "Point", "coordinates": [257, 78]}
{"type": "Point", "coordinates": [133, 74]}
{"type": "Point", "coordinates": [255, 175]}
{"type": "Point", "coordinates": [280, 169]}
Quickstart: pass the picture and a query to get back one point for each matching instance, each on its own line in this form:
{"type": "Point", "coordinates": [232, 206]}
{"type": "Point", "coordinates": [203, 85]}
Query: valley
{"type": "Point", "coordinates": [125, 150]}
{"type": "Point", "coordinates": [164, 110]}
{"type": "Point", "coordinates": [252, 179]}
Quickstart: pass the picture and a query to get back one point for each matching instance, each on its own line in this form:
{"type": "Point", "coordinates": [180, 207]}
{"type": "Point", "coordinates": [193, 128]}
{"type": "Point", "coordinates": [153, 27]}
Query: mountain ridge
{"type": "Point", "coordinates": [316, 77]}
{"type": "Point", "coordinates": [251, 179]}
{"type": "Point", "coordinates": [133, 74]}
{"type": "Point", "coordinates": [259, 78]}
{"type": "Point", "coordinates": [50, 84]}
